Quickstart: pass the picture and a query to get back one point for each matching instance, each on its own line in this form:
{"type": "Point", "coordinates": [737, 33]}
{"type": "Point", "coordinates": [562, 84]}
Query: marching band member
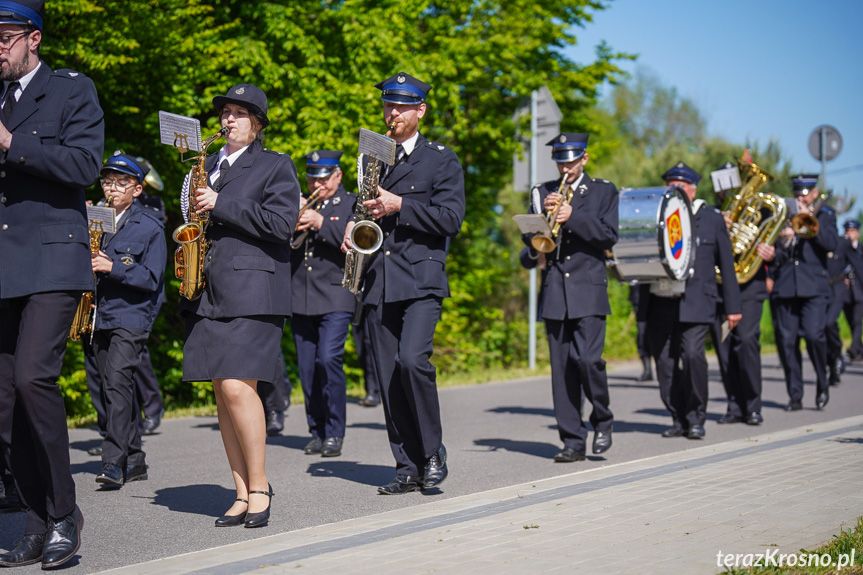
{"type": "Point", "coordinates": [678, 319]}
{"type": "Point", "coordinates": [130, 267]}
{"type": "Point", "coordinates": [854, 306]}
{"type": "Point", "coordinates": [574, 296]}
{"type": "Point", "coordinates": [234, 329]}
{"type": "Point", "coordinates": [322, 308]}
{"type": "Point", "coordinates": [801, 289]}
{"type": "Point", "coordinates": [421, 205]}
{"type": "Point", "coordinates": [51, 141]}
{"type": "Point", "coordinates": [839, 274]}
{"type": "Point", "coordinates": [741, 350]}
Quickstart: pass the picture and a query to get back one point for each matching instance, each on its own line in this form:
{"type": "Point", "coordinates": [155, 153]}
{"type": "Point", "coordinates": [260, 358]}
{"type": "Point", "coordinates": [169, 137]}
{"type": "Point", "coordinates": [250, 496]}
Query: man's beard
{"type": "Point", "coordinates": [14, 71]}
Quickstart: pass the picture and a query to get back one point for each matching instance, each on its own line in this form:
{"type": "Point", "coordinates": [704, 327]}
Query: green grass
{"type": "Point", "coordinates": [841, 544]}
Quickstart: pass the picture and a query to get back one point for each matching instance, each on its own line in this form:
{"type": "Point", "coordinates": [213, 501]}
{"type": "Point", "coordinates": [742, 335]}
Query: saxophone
{"type": "Point", "coordinates": [756, 217]}
{"type": "Point", "coordinates": [366, 235]}
{"type": "Point", "coordinates": [85, 316]}
{"type": "Point", "coordinates": [192, 249]}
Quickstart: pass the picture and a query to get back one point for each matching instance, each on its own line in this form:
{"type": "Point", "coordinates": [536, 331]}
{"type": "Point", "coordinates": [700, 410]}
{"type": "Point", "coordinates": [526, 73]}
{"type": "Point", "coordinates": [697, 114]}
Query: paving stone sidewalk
{"type": "Point", "coordinates": [776, 492]}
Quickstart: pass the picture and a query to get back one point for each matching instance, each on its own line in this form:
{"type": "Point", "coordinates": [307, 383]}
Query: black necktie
{"type": "Point", "coordinates": [223, 170]}
{"type": "Point", "coordinates": [9, 105]}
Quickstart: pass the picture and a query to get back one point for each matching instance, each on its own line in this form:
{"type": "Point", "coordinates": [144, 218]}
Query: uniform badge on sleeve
{"type": "Point", "coordinates": [127, 259]}
{"type": "Point", "coordinates": [337, 200]}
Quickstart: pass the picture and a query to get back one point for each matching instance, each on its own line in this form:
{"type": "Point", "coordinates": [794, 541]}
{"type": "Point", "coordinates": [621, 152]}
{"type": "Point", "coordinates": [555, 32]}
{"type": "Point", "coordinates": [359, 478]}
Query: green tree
{"type": "Point", "coordinates": [318, 62]}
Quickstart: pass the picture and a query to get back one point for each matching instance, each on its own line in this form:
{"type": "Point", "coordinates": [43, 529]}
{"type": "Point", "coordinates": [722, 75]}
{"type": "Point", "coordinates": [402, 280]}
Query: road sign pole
{"type": "Point", "coordinates": [534, 128]}
{"type": "Point", "coordinates": [824, 158]}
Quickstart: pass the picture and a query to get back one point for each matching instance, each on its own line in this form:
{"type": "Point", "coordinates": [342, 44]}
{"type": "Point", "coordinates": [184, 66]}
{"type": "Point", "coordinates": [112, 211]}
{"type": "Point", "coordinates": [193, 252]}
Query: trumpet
{"type": "Point", "coordinates": [547, 242]}
{"type": "Point", "coordinates": [313, 202]}
{"type": "Point", "coordinates": [805, 224]}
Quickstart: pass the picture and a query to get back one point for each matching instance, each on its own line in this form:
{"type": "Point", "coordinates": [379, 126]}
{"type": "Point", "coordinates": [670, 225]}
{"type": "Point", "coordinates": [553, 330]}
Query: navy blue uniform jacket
{"type": "Point", "coordinates": [248, 266]}
{"type": "Point", "coordinates": [129, 296]}
{"type": "Point", "coordinates": [318, 265]}
{"type": "Point", "coordinates": [57, 139]}
{"type": "Point", "coordinates": [411, 264]}
{"type": "Point", "coordinates": [574, 283]}
{"type": "Point", "coordinates": [800, 270]}
{"type": "Point", "coordinates": [713, 249]}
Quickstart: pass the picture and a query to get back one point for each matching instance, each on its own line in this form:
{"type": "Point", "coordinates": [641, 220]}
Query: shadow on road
{"type": "Point", "coordinates": [209, 500]}
{"type": "Point", "coordinates": [519, 410]}
{"type": "Point", "coordinates": [352, 471]}
{"type": "Point", "coordinates": [85, 445]}
{"type": "Point", "coordinates": [544, 450]}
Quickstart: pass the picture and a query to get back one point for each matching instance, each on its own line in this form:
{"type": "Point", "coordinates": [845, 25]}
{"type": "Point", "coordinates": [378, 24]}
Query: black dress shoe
{"type": "Point", "coordinates": [569, 455]}
{"type": "Point", "coordinates": [675, 432]}
{"type": "Point", "coordinates": [601, 441]}
{"type": "Point", "coordinates": [728, 418]}
{"type": "Point", "coordinates": [62, 540]}
{"type": "Point", "coordinates": [260, 518]}
{"type": "Point", "coordinates": [371, 400]}
{"type": "Point", "coordinates": [332, 447]}
{"type": "Point", "coordinates": [233, 520]}
{"type": "Point", "coordinates": [28, 550]}
{"type": "Point", "coordinates": [275, 422]}
{"type": "Point", "coordinates": [401, 484]}
{"type": "Point", "coordinates": [436, 469]}
{"type": "Point", "coordinates": [135, 473]}
{"type": "Point", "coordinates": [111, 475]}
{"type": "Point", "coordinates": [314, 446]}
{"type": "Point", "coordinates": [754, 419]}
{"type": "Point", "coordinates": [647, 373]}
{"type": "Point", "coordinates": [150, 424]}
{"type": "Point", "coordinates": [696, 432]}
{"type": "Point", "coordinates": [95, 451]}
{"type": "Point", "coordinates": [822, 400]}
{"type": "Point", "coordinates": [794, 406]}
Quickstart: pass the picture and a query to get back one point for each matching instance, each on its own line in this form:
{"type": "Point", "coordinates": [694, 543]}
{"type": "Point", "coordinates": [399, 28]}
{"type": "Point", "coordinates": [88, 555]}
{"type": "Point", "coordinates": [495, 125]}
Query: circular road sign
{"type": "Point", "coordinates": [832, 142]}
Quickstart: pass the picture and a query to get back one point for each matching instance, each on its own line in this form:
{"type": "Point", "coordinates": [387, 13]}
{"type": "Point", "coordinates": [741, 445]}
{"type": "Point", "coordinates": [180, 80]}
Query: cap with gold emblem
{"type": "Point", "coordinates": [403, 89]}
{"type": "Point", "coordinates": [568, 146]}
{"type": "Point", "coordinates": [322, 163]}
{"type": "Point", "coordinates": [683, 173]}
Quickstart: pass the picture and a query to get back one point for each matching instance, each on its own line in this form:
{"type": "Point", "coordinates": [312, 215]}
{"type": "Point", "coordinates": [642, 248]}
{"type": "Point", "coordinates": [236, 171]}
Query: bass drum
{"type": "Point", "coordinates": [656, 235]}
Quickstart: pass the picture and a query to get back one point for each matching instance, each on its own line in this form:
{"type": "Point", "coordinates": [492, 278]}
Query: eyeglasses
{"type": "Point", "coordinates": [7, 41]}
{"type": "Point", "coordinates": [118, 184]}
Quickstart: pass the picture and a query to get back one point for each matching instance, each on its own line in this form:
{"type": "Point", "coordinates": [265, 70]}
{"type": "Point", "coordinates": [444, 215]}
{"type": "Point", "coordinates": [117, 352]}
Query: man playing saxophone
{"type": "Point", "coordinates": [801, 288]}
{"type": "Point", "coordinates": [420, 207]}
{"type": "Point", "coordinates": [322, 308]}
{"type": "Point", "coordinates": [574, 298]}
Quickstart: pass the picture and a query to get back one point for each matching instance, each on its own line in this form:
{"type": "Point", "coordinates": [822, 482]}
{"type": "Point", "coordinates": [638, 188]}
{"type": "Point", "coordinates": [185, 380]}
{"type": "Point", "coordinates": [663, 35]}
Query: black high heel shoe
{"type": "Point", "coordinates": [263, 517]}
{"type": "Point", "coordinates": [233, 520]}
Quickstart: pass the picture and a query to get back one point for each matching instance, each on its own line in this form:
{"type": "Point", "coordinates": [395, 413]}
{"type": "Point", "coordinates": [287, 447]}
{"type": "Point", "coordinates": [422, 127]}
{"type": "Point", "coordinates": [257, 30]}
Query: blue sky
{"type": "Point", "coordinates": [756, 69]}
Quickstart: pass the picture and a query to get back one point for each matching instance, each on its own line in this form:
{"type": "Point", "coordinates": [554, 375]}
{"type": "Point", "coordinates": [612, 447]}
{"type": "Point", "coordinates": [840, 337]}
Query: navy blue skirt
{"type": "Point", "coordinates": [233, 348]}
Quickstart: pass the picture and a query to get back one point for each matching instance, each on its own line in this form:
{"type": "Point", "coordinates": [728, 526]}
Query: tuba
{"type": "Point", "coordinates": [85, 316]}
{"type": "Point", "coordinates": [547, 242]}
{"type": "Point", "coordinates": [366, 235]}
{"type": "Point", "coordinates": [313, 202]}
{"type": "Point", "coordinates": [192, 249]}
{"type": "Point", "coordinates": [756, 217]}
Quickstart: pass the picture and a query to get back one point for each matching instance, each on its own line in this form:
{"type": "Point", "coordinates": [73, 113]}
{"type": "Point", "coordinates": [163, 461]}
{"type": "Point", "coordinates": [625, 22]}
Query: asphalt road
{"type": "Point", "coordinates": [497, 434]}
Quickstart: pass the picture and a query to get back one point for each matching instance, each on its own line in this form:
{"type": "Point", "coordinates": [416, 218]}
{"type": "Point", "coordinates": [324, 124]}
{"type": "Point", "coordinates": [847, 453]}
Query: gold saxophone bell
{"type": "Point", "coordinates": [547, 242]}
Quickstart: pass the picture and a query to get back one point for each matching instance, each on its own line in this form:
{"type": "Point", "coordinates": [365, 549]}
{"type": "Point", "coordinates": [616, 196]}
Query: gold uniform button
{"type": "Point", "coordinates": [5, 227]}
{"type": "Point", "coordinates": [388, 253]}
{"type": "Point", "coordinates": [21, 160]}
{"type": "Point", "coordinates": [386, 234]}
{"type": "Point", "coordinates": [796, 263]}
{"type": "Point", "coordinates": [310, 268]}
{"type": "Point", "coordinates": [2, 174]}
{"type": "Point", "coordinates": [70, 236]}
{"type": "Point", "coordinates": [3, 200]}
{"type": "Point", "coordinates": [566, 275]}
{"type": "Point", "coordinates": [567, 258]}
